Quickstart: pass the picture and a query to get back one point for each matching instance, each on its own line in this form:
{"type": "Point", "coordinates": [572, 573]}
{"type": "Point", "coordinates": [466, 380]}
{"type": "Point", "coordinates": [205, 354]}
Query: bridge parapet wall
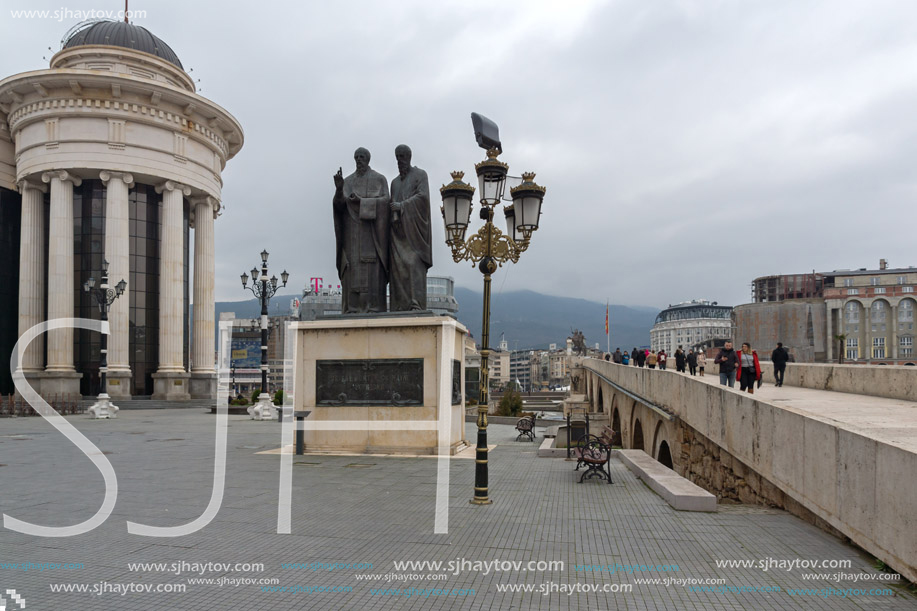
{"type": "Point", "coordinates": [860, 486]}
{"type": "Point", "coordinates": [890, 381]}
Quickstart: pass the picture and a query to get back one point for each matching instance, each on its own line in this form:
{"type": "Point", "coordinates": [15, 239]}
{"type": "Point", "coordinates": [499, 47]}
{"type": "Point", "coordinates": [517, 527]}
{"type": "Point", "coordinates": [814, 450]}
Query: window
{"type": "Point", "coordinates": [906, 311]}
{"type": "Point", "coordinates": [848, 281]}
{"type": "Point", "coordinates": [853, 292]}
{"type": "Point", "coordinates": [878, 347]}
{"type": "Point", "coordinates": [906, 347]}
{"type": "Point", "coordinates": [880, 290]}
{"type": "Point", "coordinates": [878, 311]}
{"type": "Point", "coordinates": [907, 289]}
{"type": "Point", "coordinates": [852, 312]}
{"type": "Point", "coordinates": [853, 350]}
{"type": "Point", "coordinates": [874, 281]}
{"type": "Point", "coordinates": [900, 279]}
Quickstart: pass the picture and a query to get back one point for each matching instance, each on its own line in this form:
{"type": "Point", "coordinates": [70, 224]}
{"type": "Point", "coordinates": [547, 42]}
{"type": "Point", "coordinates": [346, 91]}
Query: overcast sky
{"type": "Point", "coordinates": [687, 147]}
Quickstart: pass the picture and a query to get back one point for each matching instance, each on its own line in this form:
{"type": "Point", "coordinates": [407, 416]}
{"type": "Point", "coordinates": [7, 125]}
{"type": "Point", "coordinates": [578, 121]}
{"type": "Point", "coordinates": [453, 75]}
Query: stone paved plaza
{"type": "Point", "coordinates": [362, 510]}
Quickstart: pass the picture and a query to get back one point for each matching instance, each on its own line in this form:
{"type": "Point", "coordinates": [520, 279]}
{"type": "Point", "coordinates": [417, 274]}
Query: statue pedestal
{"type": "Point", "coordinates": [264, 409]}
{"type": "Point", "coordinates": [361, 377]}
{"type": "Point", "coordinates": [103, 408]}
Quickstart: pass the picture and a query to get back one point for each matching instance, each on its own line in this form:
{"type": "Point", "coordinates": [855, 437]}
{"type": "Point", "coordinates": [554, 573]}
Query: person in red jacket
{"type": "Point", "coordinates": [750, 368]}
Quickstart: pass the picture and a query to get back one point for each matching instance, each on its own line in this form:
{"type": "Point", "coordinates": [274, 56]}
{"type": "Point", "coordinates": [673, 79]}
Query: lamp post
{"type": "Point", "coordinates": [264, 408]}
{"type": "Point", "coordinates": [104, 296]}
{"type": "Point", "coordinates": [490, 249]}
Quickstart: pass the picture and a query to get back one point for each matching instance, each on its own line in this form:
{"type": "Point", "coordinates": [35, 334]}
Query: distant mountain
{"type": "Point", "coordinates": [532, 320]}
{"type": "Point", "coordinates": [251, 308]}
{"type": "Point", "coordinates": [529, 319]}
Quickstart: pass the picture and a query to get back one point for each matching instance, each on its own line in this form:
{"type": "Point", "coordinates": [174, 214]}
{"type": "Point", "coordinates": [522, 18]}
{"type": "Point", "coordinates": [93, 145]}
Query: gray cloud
{"type": "Point", "coordinates": [687, 147]}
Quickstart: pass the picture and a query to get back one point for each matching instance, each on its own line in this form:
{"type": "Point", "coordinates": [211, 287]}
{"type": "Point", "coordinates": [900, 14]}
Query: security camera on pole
{"type": "Point", "coordinates": [264, 408]}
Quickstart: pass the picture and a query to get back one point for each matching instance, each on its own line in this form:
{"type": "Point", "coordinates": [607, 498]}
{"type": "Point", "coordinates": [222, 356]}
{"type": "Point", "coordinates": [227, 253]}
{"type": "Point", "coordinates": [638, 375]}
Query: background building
{"type": "Point", "coordinates": [865, 315]}
{"type": "Point", "coordinates": [472, 370]}
{"type": "Point", "coordinates": [691, 324]}
{"type": "Point", "coordinates": [499, 365]}
{"type": "Point", "coordinates": [319, 300]}
{"type": "Point", "coordinates": [111, 154]}
{"type": "Point", "coordinates": [245, 361]}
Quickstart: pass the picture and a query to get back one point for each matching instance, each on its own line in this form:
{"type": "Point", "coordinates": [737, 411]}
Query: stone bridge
{"type": "Point", "coordinates": [844, 461]}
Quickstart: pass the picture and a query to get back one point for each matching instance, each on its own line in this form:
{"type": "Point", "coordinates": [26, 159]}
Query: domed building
{"type": "Point", "coordinates": [697, 324]}
{"type": "Point", "coordinates": [111, 154]}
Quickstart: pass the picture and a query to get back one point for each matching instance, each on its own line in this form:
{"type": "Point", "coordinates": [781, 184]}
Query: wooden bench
{"type": "Point", "coordinates": [526, 428]}
{"type": "Point", "coordinates": [593, 452]}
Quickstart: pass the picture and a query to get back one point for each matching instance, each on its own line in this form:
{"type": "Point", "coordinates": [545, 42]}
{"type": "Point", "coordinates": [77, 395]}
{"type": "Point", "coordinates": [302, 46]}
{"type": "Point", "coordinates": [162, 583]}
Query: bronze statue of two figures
{"type": "Point", "coordinates": [383, 236]}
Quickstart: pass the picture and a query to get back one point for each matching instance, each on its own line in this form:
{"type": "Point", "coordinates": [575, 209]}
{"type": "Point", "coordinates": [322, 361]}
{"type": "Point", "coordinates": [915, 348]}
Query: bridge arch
{"type": "Point", "coordinates": [600, 400]}
{"type": "Point", "coordinates": [664, 455]}
{"type": "Point", "coordinates": [616, 426]}
{"type": "Point", "coordinates": [637, 441]}
{"type": "Point", "coordinates": [661, 448]}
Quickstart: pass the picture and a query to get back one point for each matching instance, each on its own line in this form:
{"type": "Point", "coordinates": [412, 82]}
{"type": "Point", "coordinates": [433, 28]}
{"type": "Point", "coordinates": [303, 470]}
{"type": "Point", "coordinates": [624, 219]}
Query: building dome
{"type": "Point", "coordinates": [688, 310]}
{"type": "Point", "coordinates": [120, 34]}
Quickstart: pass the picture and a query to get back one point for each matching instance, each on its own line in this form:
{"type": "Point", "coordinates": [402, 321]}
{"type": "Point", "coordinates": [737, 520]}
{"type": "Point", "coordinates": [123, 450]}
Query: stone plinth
{"type": "Point", "coordinates": [203, 385]}
{"type": "Point", "coordinates": [171, 386]}
{"type": "Point", "coordinates": [51, 383]}
{"type": "Point", "coordinates": [119, 384]}
{"type": "Point", "coordinates": [577, 402]}
{"type": "Point", "coordinates": [380, 369]}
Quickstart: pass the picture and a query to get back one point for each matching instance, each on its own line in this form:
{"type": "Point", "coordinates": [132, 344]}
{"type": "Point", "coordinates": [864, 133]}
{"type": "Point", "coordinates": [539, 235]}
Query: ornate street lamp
{"type": "Point", "coordinates": [264, 290]}
{"type": "Point", "coordinates": [104, 296]}
{"type": "Point", "coordinates": [490, 249]}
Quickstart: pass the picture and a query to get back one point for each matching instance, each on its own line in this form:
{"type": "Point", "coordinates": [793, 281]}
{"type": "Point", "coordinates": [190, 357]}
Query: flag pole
{"type": "Point", "coordinates": [607, 335]}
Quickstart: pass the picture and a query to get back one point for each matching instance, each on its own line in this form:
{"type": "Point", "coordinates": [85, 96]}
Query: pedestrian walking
{"type": "Point", "coordinates": [661, 358]}
{"type": "Point", "coordinates": [633, 358]}
{"type": "Point", "coordinates": [779, 357]}
{"type": "Point", "coordinates": [692, 362]}
{"type": "Point", "coordinates": [728, 361]}
{"type": "Point", "coordinates": [701, 357]}
{"type": "Point", "coordinates": [651, 360]}
{"type": "Point", "coordinates": [641, 358]}
{"type": "Point", "coordinates": [751, 369]}
{"type": "Point", "coordinates": [616, 357]}
{"type": "Point", "coordinates": [680, 360]}
{"type": "Point", "coordinates": [625, 359]}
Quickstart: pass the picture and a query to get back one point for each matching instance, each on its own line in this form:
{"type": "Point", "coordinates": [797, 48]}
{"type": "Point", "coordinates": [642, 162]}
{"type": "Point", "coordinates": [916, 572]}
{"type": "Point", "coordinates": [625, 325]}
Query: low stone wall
{"type": "Point", "coordinates": [858, 485]}
{"type": "Point", "coordinates": [890, 381]}
{"type": "Point", "coordinates": [717, 471]}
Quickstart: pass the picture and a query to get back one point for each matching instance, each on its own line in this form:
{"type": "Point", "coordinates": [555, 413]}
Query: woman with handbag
{"type": "Point", "coordinates": [750, 369]}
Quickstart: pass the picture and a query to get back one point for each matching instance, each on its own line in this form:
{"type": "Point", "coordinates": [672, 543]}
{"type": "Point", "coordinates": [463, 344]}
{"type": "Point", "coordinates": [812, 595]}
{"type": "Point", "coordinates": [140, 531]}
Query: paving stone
{"type": "Point", "coordinates": [380, 514]}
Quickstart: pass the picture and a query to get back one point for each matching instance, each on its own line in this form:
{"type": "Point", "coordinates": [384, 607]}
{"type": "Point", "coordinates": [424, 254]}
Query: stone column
{"type": "Point", "coordinates": [60, 376]}
{"type": "Point", "coordinates": [32, 272]}
{"type": "Point", "coordinates": [117, 252]}
{"type": "Point", "coordinates": [892, 351]}
{"type": "Point", "coordinates": [171, 381]}
{"type": "Point", "coordinates": [829, 340]}
{"type": "Point", "coordinates": [203, 374]}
